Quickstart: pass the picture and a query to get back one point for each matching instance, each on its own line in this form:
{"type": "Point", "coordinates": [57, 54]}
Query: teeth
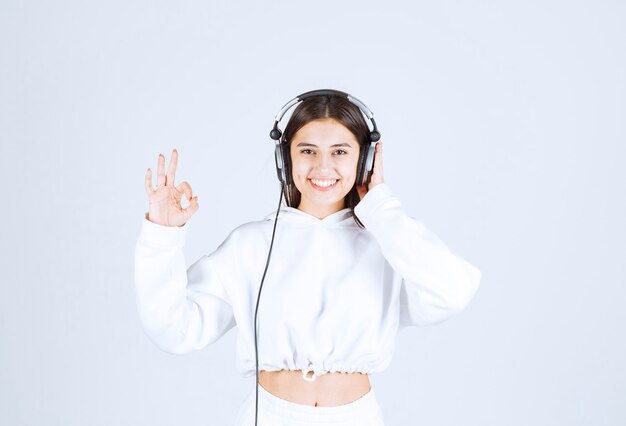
{"type": "Point", "coordinates": [324, 183]}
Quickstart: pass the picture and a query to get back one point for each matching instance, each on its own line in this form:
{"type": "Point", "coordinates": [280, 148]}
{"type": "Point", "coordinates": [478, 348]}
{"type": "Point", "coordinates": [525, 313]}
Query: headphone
{"type": "Point", "coordinates": [364, 172]}
{"type": "Point", "coordinates": [366, 155]}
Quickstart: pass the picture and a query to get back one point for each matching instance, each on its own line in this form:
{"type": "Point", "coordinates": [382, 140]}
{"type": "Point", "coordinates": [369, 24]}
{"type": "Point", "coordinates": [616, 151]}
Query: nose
{"type": "Point", "coordinates": [324, 163]}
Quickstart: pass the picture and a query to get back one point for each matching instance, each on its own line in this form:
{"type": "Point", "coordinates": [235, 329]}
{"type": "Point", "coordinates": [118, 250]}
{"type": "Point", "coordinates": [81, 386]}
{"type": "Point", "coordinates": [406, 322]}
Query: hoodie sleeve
{"type": "Point", "coordinates": [182, 310]}
{"type": "Point", "coordinates": [436, 283]}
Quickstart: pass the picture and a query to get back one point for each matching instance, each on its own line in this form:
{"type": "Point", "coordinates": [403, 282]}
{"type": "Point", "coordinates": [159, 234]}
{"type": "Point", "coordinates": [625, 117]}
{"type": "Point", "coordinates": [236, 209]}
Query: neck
{"type": "Point", "coordinates": [321, 211]}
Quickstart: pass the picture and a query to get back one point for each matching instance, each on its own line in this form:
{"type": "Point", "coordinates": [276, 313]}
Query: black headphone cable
{"type": "Point", "coordinates": [256, 310]}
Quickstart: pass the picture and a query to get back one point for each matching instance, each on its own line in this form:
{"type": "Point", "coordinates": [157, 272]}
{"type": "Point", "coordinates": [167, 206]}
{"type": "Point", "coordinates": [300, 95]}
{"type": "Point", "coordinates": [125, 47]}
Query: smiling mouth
{"type": "Point", "coordinates": [323, 184]}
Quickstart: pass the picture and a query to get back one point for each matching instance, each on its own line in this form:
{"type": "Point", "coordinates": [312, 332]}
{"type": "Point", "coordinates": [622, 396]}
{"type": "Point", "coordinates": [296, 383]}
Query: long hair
{"type": "Point", "coordinates": [318, 107]}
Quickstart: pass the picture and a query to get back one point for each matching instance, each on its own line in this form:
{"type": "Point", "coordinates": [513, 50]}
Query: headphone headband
{"type": "Point", "coordinates": [275, 134]}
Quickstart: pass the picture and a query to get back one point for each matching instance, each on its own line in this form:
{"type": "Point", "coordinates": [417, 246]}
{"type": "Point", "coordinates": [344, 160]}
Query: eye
{"type": "Point", "coordinates": [341, 152]}
{"type": "Point", "coordinates": [306, 151]}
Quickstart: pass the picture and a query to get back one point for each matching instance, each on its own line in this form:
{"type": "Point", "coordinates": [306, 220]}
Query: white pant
{"type": "Point", "coordinates": [274, 411]}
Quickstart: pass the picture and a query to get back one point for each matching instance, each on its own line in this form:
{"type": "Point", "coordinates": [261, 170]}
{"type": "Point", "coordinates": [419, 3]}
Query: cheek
{"type": "Point", "coordinates": [349, 167]}
{"type": "Point", "coordinates": [299, 167]}
{"type": "Point", "coordinates": [299, 171]}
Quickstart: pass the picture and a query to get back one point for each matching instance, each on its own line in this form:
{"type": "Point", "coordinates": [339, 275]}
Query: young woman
{"type": "Point", "coordinates": [348, 269]}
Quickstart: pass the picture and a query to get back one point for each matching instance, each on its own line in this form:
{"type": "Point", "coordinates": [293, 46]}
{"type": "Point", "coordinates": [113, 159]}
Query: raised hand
{"type": "Point", "coordinates": [377, 171]}
{"type": "Point", "coordinates": [164, 201]}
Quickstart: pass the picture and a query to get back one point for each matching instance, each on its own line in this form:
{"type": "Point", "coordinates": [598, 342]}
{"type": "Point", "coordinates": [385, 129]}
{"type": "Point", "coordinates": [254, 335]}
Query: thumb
{"type": "Point", "coordinates": [193, 204]}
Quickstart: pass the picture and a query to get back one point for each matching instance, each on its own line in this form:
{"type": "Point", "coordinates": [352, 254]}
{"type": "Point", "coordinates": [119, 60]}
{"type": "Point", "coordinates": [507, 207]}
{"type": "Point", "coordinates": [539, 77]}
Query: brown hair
{"type": "Point", "coordinates": [315, 108]}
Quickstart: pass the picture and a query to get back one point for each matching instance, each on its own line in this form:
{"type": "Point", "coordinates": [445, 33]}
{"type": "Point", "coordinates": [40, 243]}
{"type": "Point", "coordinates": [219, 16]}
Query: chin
{"type": "Point", "coordinates": [316, 198]}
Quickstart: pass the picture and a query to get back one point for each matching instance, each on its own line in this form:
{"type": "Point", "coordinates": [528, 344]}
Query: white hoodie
{"type": "Point", "coordinates": [334, 296]}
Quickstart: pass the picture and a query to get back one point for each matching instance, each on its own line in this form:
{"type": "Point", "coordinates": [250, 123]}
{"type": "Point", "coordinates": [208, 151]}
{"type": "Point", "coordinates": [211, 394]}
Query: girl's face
{"type": "Point", "coordinates": [324, 158]}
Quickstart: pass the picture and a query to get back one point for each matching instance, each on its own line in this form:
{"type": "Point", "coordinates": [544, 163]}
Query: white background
{"type": "Point", "coordinates": [504, 133]}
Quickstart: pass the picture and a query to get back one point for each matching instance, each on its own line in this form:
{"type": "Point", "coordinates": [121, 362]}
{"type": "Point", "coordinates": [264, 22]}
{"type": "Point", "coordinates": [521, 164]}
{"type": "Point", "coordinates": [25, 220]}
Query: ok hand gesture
{"type": "Point", "coordinates": [164, 201]}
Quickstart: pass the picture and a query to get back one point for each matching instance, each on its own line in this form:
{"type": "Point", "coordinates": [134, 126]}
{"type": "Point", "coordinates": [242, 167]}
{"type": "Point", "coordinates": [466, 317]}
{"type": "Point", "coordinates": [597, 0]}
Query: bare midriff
{"type": "Point", "coordinates": [327, 390]}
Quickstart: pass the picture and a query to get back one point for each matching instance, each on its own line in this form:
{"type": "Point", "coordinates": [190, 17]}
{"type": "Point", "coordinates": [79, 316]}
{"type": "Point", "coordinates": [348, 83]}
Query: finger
{"type": "Point", "coordinates": [185, 188]}
{"type": "Point", "coordinates": [192, 207]}
{"type": "Point", "coordinates": [171, 171]}
{"type": "Point", "coordinates": [378, 164]}
{"type": "Point", "coordinates": [161, 171]}
{"type": "Point", "coordinates": [149, 189]}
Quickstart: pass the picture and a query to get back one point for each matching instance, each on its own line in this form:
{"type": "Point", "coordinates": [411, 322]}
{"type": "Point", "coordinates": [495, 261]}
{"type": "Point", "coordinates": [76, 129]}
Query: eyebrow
{"type": "Point", "coordinates": [332, 146]}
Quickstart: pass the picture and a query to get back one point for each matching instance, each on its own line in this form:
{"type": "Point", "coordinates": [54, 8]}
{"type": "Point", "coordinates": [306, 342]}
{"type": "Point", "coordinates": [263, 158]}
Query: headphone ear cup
{"type": "Point", "coordinates": [367, 163]}
{"type": "Point", "coordinates": [280, 163]}
{"type": "Point", "coordinates": [361, 165]}
{"type": "Point", "coordinates": [286, 161]}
